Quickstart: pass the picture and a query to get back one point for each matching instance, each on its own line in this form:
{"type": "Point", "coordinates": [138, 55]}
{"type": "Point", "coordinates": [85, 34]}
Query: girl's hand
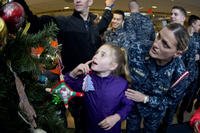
{"type": "Point", "coordinates": [109, 121]}
{"type": "Point", "coordinates": [80, 69]}
{"type": "Point", "coordinates": [135, 95]}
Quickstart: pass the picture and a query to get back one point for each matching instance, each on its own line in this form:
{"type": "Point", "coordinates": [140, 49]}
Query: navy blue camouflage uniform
{"type": "Point", "coordinates": [117, 37]}
{"type": "Point", "coordinates": [193, 67]}
{"type": "Point", "coordinates": [197, 105]}
{"type": "Point", "coordinates": [189, 61]}
{"type": "Point", "coordinates": [139, 27]}
{"type": "Point", "coordinates": [189, 57]}
{"type": "Point", "coordinates": [156, 82]}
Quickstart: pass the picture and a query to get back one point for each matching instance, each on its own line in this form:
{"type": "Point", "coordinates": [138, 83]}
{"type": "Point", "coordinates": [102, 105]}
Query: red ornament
{"type": "Point", "coordinates": [150, 11]}
{"type": "Point", "coordinates": [13, 14]}
{"type": "Point", "coordinates": [36, 52]}
{"type": "Point", "coordinates": [64, 91]}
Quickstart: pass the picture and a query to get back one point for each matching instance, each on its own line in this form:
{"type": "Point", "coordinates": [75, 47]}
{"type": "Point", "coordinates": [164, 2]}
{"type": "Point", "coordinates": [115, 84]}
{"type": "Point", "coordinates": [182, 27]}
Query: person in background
{"type": "Point", "coordinates": [138, 26]}
{"type": "Point", "coordinates": [116, 34]}
{"type": "Point", "coordinates": [159, 77]}
{"type": "Point", "coordinates": [178, 15]}
{"type": "Point", "coordinates": [191, 59]}
{"type": "Point", "coordinates": [80, 38]}
{"type": "Point", "coordinates": [104, 85]}
{"type": "Point", "coordinates": [197, 102]}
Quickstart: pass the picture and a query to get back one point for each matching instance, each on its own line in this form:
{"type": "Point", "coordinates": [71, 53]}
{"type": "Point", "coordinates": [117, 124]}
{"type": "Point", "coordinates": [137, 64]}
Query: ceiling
{"type": "Point", "coordinates": [164, 6]}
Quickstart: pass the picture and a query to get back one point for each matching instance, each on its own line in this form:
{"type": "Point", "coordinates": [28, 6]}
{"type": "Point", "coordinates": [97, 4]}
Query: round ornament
{"type": "Point", "coordinates": [14, 16]}
{"type": "Point", "coordinates": [3, 33]}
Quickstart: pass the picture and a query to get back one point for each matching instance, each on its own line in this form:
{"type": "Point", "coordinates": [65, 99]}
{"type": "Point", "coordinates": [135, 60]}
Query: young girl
{"type": "Point", "coordinates": [159, 77]}
{"type": "Point", "coordinates": [105, 102]}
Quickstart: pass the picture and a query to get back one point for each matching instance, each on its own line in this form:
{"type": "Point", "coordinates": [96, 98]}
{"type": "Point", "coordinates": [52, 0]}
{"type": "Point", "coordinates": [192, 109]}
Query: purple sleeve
{"type": "Point", "coordinates": [125, 107]}
{"type": "Point", "coordinates": [74, 83]}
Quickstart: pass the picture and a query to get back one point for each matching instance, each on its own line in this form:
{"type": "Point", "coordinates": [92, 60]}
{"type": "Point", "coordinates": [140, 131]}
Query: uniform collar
{"type": "Point", "coordinates": [91, 16]}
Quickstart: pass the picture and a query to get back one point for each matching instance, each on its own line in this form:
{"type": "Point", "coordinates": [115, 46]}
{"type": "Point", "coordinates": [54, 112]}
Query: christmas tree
{"type": "Point", "coordinates": [29, 64]}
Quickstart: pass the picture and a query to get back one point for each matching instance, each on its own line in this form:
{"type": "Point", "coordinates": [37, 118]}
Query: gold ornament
{"type": "Point", "coordinates": [3, 33]}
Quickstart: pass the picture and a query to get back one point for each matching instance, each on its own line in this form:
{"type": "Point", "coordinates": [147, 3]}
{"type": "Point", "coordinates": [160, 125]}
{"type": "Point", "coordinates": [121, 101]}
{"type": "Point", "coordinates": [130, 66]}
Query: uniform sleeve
{"type": "Point", "coordinates": [125, 107]}
{"type": "Point", "coordinates": [189, 59]}
{"type": "Point", "coordinates": [129, 28]}
{"type": "Point", "coordinates": [171, 97]}
{"type": "Point", "coordinates": [105, 21]}
{"type": "Point", "coordinates": [124, 40]}
{"type": "Point", "coordinates": [139, 27]}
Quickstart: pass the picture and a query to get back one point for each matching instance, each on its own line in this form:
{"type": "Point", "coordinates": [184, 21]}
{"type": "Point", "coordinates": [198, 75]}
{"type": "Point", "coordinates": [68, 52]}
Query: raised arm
{"type": "Point", "coordinates": [107, 16]}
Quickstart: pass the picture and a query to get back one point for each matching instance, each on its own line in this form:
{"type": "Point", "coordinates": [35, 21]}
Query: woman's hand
{"type": "Point", "coordinates": [29, 111]}
{"type": "Point", "coordinates": [135, 95]}
{"type": "Point", "coordinates": [109, 121]}
{"type": "Point", "coordinates": [80, 69]}
{"type": "Point", "coordinates": [196, 127]}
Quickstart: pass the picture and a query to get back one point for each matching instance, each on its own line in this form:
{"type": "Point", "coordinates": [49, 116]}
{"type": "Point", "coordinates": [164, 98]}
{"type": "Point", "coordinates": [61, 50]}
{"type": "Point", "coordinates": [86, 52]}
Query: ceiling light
{"type": "Point", "coordinates": [188, 12]}
{"type": "Point", "coordinates": [141, 7]}
{"type": "Point", "coordinates": [66, 7]}
{"type": "Point", "coordinates": [154, 7]}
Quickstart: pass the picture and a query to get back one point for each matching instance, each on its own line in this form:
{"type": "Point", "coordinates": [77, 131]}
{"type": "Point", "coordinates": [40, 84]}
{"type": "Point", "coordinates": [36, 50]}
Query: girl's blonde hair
{"type": "Point", "coordinates": [119, 56]}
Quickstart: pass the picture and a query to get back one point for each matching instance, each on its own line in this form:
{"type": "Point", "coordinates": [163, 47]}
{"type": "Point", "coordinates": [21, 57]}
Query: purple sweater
{"type": "Point", "coordinates": [107, 99]}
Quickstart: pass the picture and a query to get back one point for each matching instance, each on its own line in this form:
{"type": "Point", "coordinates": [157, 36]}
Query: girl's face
{"type": "Point", "coordinates": [103, 62]}
{"type": "Point", "coordinates": [164, 47]}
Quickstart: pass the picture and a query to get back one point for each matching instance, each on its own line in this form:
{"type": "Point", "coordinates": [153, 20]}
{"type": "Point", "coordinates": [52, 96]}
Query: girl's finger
{"type": "Point", "coordinates": [88, 62]}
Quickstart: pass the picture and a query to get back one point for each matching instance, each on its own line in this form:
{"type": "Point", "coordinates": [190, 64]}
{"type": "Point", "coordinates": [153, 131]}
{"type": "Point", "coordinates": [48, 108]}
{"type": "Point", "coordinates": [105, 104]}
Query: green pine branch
{"type": "Point", "coordinates": [19, 49]}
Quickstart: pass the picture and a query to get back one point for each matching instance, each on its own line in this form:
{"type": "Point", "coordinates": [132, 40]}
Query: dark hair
{"type": "Point", "coordinates": [181, 35]}
{"type": "Point", "coordinates": [192, 19]}
{"type": "Point", "coordinates": [181, 9]}
{"type": "Point", "coordinates": [120, 12]}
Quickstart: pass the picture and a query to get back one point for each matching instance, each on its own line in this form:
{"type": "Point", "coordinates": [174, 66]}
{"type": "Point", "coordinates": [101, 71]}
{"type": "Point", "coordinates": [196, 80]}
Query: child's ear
{"type": "Point", "coordinates": [178, 53]}
{"type": "Point", "coordinates": [113, 66]}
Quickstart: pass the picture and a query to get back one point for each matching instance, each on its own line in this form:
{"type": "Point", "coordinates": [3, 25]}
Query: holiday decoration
{"type": "Point", "coordinates": [56, 70]}
{"type": "Point", "coordinates": [22, 95]}
{"type": "Point", "coordinates": [13, 14]}
{"type": "Point", "coordinates": [54, 43]}
{"type": "Point", "coordinates": [64, 92]}
{"type": "Point", "coordinates": [42, 79]}
{"type": "Point", "coordinates": [36, 52]}
{"type": "Point", "coordinates": [50, 61]}
{"type": "Point", "coordinates": [3, 33]}
{"type": "Point", "coordinates": [87, 84]}
{"type": "Point", "coordinates": [150, 11]}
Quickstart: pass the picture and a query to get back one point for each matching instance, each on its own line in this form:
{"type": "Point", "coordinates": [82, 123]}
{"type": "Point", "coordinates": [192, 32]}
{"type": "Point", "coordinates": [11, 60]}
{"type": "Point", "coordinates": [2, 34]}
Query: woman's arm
{"type": "Point", "coordinates": [195, 121]}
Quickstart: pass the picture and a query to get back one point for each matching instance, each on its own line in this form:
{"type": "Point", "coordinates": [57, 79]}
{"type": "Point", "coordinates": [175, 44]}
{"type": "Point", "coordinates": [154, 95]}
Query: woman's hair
{"type": "Point", "coordinates": [119, 56]}
{"type": "Point", "coordinates": [181, 35]}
